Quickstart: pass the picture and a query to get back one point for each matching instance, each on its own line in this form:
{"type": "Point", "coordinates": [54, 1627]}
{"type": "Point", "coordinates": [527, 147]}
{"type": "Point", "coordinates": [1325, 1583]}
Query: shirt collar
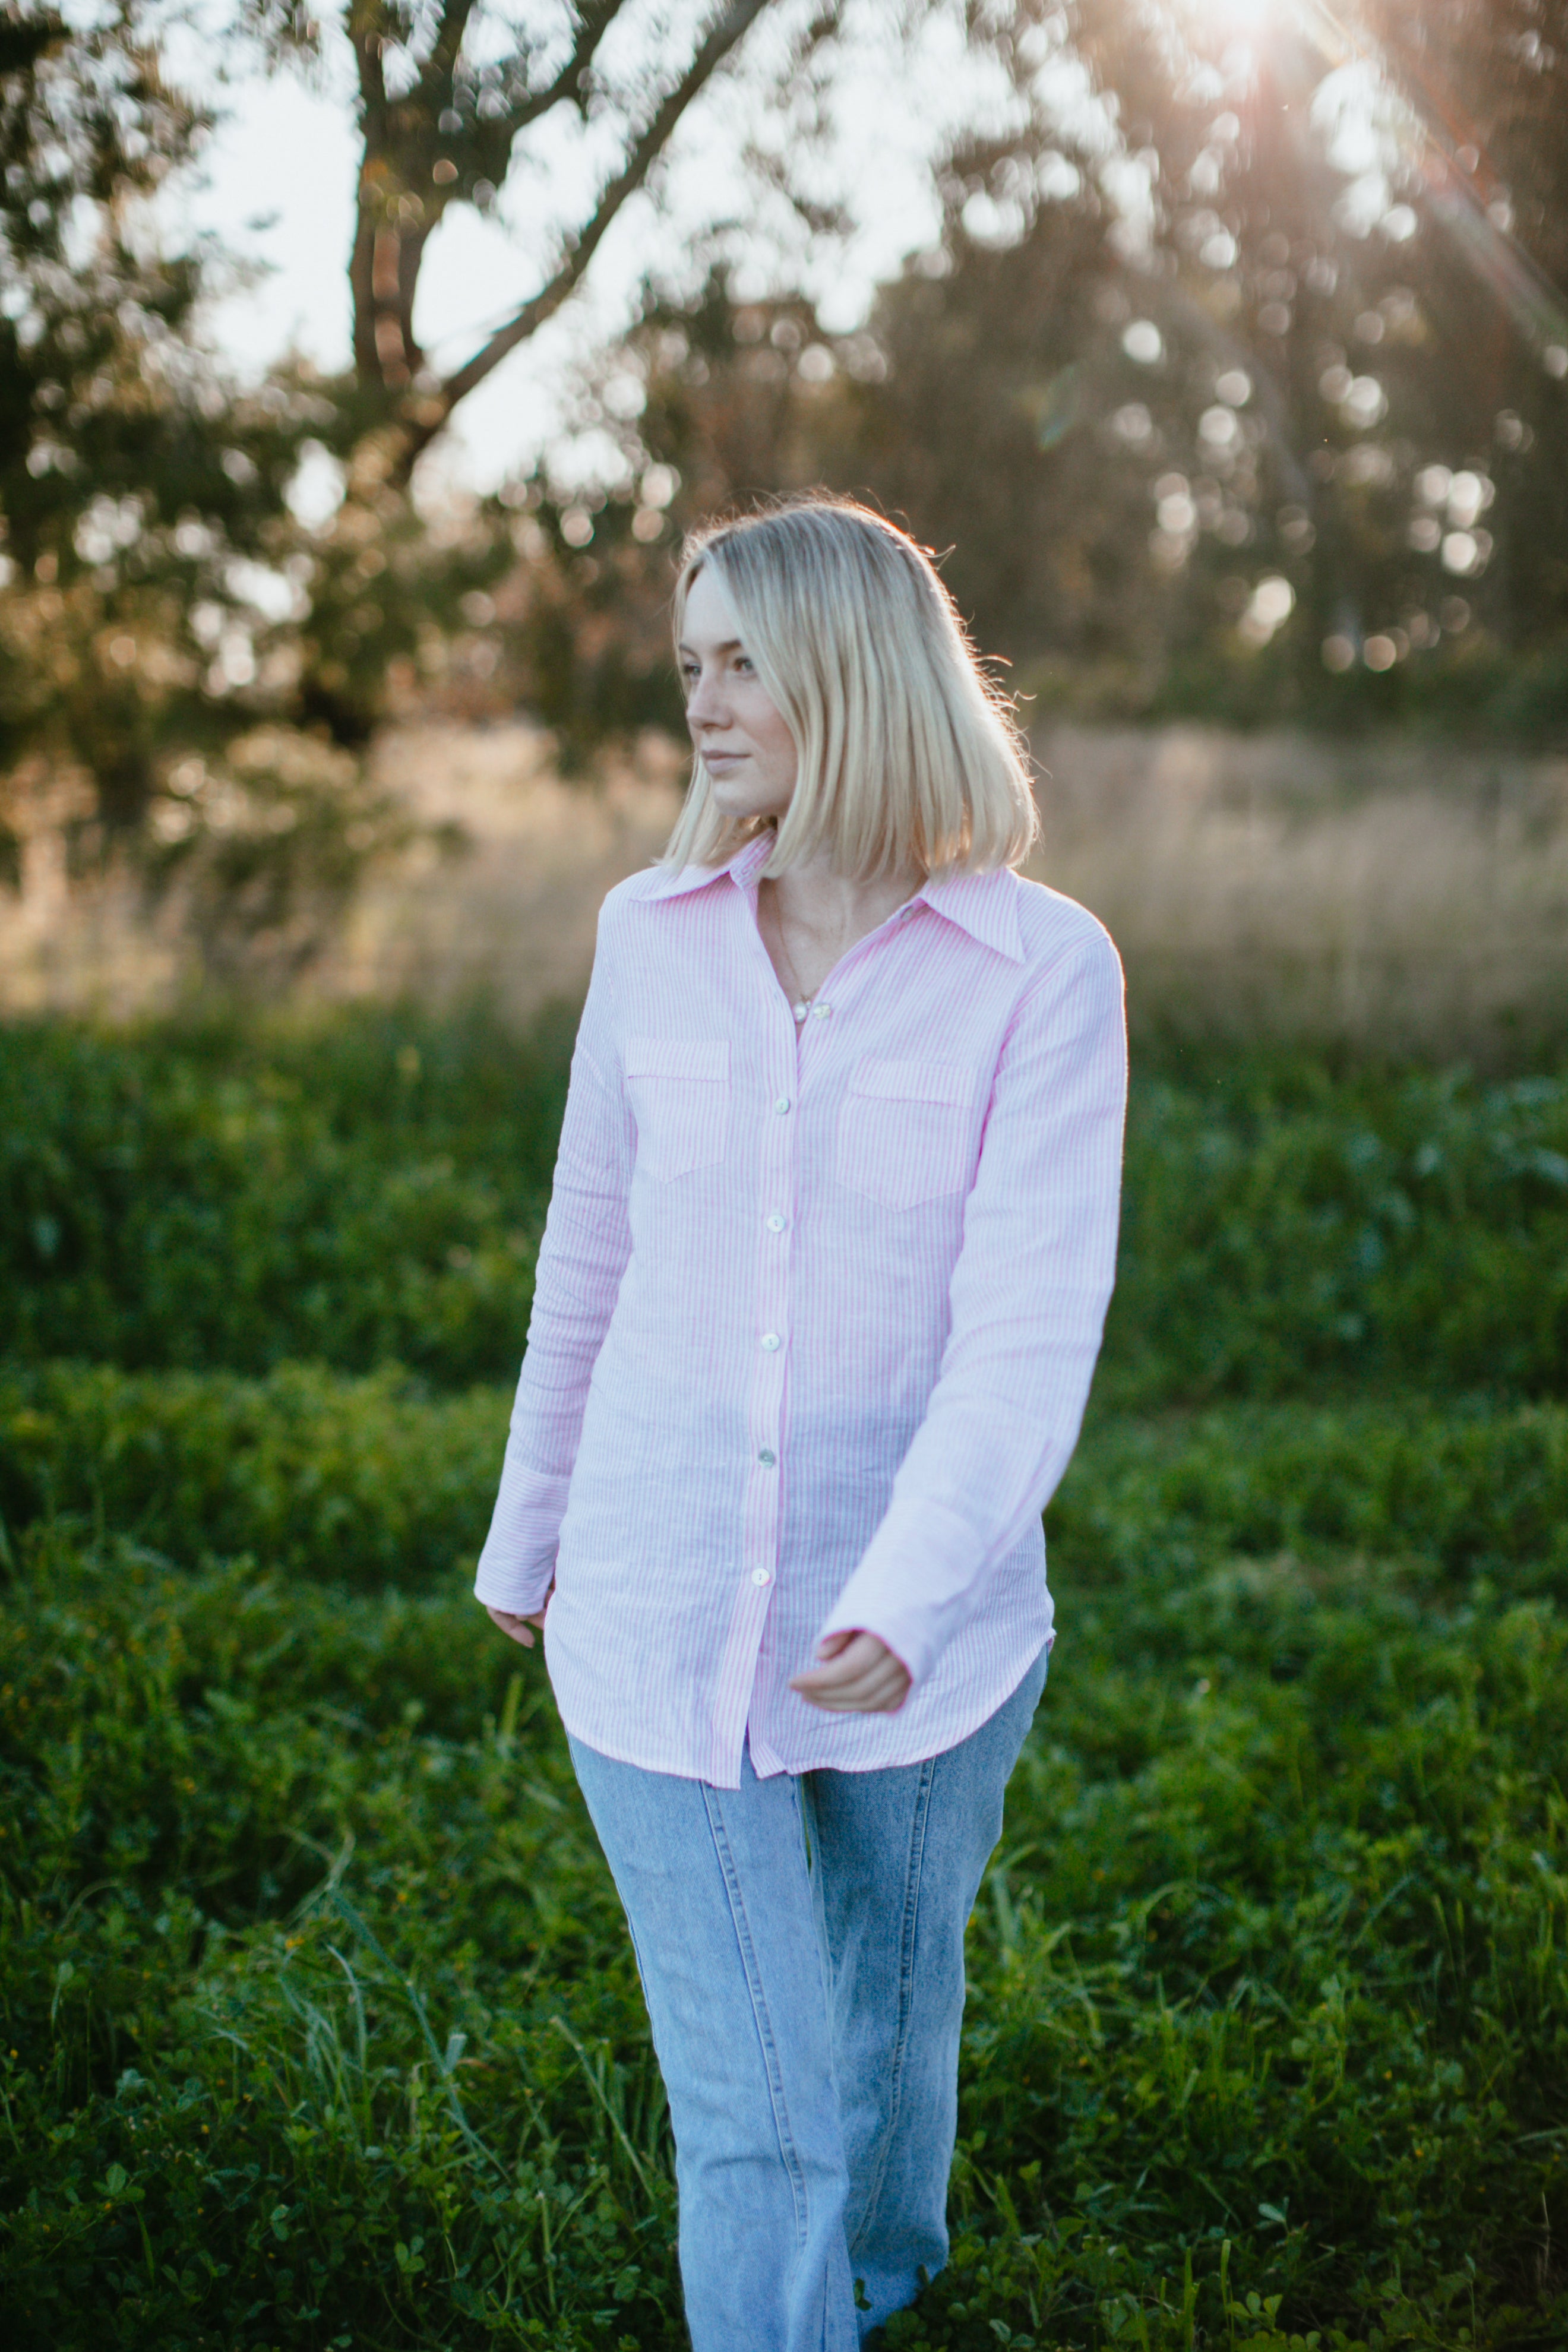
{"type": "Point", "coordinates": [676, 881]}
{"type": "Point", "coordinates": [984, 905]}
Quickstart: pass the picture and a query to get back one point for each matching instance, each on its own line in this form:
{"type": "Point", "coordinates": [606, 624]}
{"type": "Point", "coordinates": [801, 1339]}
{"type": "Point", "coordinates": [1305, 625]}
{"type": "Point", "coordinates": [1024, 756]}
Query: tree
{"type": "Point", "coordinates": [135, 484]}
{"type": "Point", "coordinates": [1491, 82]}
{"type": "Point", "coordinates": [446, 97]}
{"type": "Point", "coordinates": [1217, 417]}
{"type": "Point", "coordinates": [444, 94]}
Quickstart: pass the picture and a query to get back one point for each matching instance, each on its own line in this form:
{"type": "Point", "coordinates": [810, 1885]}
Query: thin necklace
{"type": "Point", "coordinates": [803, 1002]}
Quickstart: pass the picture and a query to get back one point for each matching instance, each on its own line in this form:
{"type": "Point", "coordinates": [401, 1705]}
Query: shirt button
{"type": "Point", "coordinates": [771, 1341]}
{"type": "Point", "coordinates": [822, 1011]}
{"type": "Point", "coordinates": [775, 1224]}
{"type": "Point", "coordinates": [761, 1576]}
{"type": "Point", "coordinates": [767, 1457]}
{"type": "Point", "coordinates": [781, 1104]}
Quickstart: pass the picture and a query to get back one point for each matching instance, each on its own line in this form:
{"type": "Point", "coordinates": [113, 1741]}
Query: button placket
{"type": "Point", "coordinates": [775, 1225]}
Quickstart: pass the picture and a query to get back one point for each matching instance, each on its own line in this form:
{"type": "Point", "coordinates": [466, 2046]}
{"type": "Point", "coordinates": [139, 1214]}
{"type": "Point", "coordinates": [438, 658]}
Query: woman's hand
{"type": "Point", "coordinates": [857, 1674]}
{"type": "Point", "coordinates": [516, 1629]}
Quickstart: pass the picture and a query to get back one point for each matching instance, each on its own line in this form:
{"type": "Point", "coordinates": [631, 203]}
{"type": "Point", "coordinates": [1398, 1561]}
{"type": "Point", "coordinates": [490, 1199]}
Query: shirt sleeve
{"type": "Point", "coordinates": [1029, 1292]}
{"type": "Point", "coordinates": [582, 1258]}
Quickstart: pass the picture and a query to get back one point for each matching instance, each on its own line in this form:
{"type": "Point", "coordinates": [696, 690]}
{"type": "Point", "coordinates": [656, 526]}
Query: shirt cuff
{"type": "Point", "coordinates": [517, 1566]}
{"type": "Point", "coordinates": [916, 1585]}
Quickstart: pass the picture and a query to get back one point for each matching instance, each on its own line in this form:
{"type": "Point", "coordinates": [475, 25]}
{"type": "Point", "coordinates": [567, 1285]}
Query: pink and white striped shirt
{"type": "Point", "coordinates": [816, 1311]}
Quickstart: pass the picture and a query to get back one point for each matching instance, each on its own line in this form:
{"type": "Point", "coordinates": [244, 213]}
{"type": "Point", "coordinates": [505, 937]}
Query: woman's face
{"type": "Point", "coordinates": [740, 734]}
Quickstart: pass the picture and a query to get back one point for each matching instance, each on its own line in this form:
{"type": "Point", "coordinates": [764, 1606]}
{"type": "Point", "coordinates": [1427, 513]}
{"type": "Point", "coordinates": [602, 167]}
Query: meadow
{"type": "Point", "coordinates": [318, 2026]}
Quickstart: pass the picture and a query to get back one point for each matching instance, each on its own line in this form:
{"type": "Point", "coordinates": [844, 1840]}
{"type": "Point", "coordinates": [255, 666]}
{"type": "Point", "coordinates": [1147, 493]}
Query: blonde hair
{"type": "Point", "coordinates": [910, 758]}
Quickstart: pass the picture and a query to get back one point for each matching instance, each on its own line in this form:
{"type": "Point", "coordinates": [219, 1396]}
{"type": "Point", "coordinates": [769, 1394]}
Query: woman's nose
{"type": "Point", "coordinates": [705, 703]}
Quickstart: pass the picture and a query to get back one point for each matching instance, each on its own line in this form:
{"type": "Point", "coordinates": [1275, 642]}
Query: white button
{"type": "Point", "coordinates": [775, 1224]}
{"type": "Point", "coordinates": [767, 1457]}
{"type": "Point", "coordinates": [822, 1011]}
{"type": "Point", "coordinates": [781, 1104]}
{"type": "Point", "coordinates": [770, 1340]}
{"type": "Point", "coordinates": [761, 1576]}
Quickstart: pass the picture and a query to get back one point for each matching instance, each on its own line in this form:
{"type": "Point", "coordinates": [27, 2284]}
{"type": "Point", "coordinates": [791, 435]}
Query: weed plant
{"type": "Point", "coordinates": [363, 1192]}
{"type": "Point", "coordinates": [317, 2023]}
{"type": "Point", "coordinates": [372, 1193]}
{"type": "Point", "coordinates": [320, 2020]}
{"type": "Point", "coordinates": [365, 1482]}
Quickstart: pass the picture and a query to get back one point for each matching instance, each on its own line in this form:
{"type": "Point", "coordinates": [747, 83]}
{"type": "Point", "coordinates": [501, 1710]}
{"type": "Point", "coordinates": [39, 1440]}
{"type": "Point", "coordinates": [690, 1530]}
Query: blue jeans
{"type": "Point", "coordinates": [801, 1947]}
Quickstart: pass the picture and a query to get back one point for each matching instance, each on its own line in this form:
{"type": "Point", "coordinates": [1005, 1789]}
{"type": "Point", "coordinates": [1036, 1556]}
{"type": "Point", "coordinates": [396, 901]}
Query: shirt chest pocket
{"type": "Point", "coordinates": [905, 1132]}
{"type": "Point", "coordinates": [679, 1090]}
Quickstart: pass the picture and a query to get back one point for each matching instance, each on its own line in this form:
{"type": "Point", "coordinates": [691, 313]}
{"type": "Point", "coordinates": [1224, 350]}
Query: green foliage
{"type": "Point", "coordinates": [230, 1196]}
{"type": "Point", "coordinates": [372, 1195]}
{"type": "Point", "coordinates": [358, 1482]}
{"type": "Point", "coordinates": [1453, 1492]}
{"type": "Point", "coordinates": [318, 2021]}
{"type": "Point", "coordinates": [297, 1887]}
{"type": "Point", "coordinates": [368, 1484]}
{"type": "Point", "coordinates": [260, 2090]}
{"type": "Point", "coordinates": [1288, 1228]}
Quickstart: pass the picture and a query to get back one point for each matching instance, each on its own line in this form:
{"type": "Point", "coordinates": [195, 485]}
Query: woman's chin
{"type": "Point", "coordinates": [732, 799]}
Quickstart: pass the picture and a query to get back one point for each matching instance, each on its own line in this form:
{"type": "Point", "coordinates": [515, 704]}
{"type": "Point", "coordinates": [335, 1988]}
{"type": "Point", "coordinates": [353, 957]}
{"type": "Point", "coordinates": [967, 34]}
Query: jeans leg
{"type": "Point", "coordinates": [898, 1858]}
{"type": "Point", "coordinates": [719, 1898]}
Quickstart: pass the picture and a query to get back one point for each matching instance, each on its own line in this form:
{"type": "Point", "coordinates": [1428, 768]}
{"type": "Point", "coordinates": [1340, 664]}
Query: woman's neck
{"type": "Point", "coordinates": [815, 914]}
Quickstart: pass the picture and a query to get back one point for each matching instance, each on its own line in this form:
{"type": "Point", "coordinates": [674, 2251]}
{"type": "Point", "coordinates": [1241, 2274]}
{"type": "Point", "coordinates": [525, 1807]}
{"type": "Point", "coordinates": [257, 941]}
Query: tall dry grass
{"type": "Point", "coordinates": [1396, 896]}
{"type": "Point", "coordinates": [494, 894]}
{"type": "Point", "coordinates": [1400, 898]}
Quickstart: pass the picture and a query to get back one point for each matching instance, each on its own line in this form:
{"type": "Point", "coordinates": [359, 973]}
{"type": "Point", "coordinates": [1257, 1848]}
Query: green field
{"type": "Point", "coordinates": [319, 2029]}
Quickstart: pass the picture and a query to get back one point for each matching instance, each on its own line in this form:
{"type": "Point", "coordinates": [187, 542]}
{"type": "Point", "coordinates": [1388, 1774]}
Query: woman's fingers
{"type": "Point", "coordinates": [857, 1674]}
{"type": "Point", "coordinates": [516, 1629]}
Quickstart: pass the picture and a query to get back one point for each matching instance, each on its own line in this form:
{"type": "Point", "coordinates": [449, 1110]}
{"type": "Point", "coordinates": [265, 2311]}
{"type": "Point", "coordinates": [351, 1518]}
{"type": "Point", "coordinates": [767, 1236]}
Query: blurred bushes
{"type": "Point", "coordinates": [362, 1483]}
{"type": "Point", "coordinates": [371, 1192]}
{"type": "Point", "coordinates": [350, 1482]}
{"type": "Point", "coordinates": [1458, 1494]}
{"type": "Point", "coordinates": [362, 1193]}
{"type": "Point", "coordinates": [1290, 1228]}
{"type": "Point", "coordinates": [321, 2018]}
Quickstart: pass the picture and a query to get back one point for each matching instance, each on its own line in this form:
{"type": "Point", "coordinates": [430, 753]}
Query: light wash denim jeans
{"type": "Point", "coordinates": [801, 1947]}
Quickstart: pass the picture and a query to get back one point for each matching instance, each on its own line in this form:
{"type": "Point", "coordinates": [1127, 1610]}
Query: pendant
{"type": "Point", "coordinates": [802, 1008]}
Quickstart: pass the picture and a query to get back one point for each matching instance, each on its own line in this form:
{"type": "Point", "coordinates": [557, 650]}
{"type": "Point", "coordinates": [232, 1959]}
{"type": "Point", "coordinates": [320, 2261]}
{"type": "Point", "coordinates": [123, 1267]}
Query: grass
{"type": "Point", "coordinates": [1381, 889]}
{"type": "Point", "coordinates": [318, 2025]}
{"type": "Point", "coordinates": [1390, 894]}
{"type": "Point", "coordinates": [230, 1196]}
{"type": "Point", "coordinates": [371, 1191]}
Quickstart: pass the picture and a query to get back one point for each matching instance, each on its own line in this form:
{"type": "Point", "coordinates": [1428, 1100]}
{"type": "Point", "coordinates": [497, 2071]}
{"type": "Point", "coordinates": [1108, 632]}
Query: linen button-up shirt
{"type": "Point", "coordinates": [816, 1309]}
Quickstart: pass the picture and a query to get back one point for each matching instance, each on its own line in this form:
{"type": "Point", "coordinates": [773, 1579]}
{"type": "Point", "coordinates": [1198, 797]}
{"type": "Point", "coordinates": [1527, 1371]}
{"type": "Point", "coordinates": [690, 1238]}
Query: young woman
{"type": "Point", "coordinates": [832, 1236]}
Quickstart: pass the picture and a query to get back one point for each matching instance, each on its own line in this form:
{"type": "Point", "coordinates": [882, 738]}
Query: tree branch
{"type": "Point", "coordinates": [568, 83]}
{"type": "Point", "coordinates": [372, 116]}
{"type": "Point", "coordinates": [735, 21]}
{"type": "Point", "coordinates": [447, 45]}
{"type": "Point", "coordinates": [396, 160]}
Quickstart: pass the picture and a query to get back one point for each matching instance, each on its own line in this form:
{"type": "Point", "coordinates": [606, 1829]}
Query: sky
{"type": "Point", "coordinates": [278, 187]}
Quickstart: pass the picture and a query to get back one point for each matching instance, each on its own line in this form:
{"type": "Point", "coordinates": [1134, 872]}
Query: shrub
{"type": "Point", "coordinates": [320, 2018]}
{"type": "Point", "coordinates": [371, 1192]}
{"type": "Point", "coordinates": [357, 1482]}
{"type": "Point", "coordinates": [367, 1193]}
{"type": "Point", "coordinates": [1290, 1230]}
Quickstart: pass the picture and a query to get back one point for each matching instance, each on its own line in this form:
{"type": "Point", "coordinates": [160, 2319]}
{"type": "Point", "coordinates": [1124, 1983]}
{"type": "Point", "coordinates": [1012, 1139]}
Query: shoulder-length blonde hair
{"type": "Point", "coordinates": [909, 755]}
